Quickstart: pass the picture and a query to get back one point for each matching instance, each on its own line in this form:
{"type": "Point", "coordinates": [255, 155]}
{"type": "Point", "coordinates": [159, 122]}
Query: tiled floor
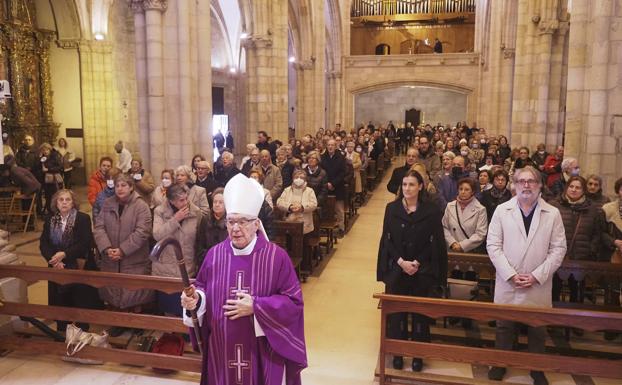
{"type": "Point", "coordinates": [341, 324]}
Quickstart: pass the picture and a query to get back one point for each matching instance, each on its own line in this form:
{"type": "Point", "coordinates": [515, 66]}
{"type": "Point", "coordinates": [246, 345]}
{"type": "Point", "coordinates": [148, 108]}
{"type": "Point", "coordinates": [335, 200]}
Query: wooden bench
{"type": "Point", "coordinates": [609, 275]}
{"type": "Point", "coordinates": [436, 308]}
{"type": "Point", "coordinates": [289, 235]}
{"type": "Point", "coordinates": [371, 174]}
{"type": "Point", "coordinates": [191, 363]}
{"type": "Point", "coordinates": [328, 223]}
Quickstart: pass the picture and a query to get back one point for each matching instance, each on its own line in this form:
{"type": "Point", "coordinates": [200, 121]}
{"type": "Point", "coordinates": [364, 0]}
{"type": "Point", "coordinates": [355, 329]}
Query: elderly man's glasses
{"type": "Point", "coordinates": [239, 221]}
{"type": "Point", "coordinates": [529, 182]}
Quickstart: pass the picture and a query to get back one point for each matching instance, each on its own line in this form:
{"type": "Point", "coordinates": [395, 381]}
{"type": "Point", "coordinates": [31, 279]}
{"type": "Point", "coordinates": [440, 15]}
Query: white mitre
{"type": "Point", "coordinates": [244, 196]}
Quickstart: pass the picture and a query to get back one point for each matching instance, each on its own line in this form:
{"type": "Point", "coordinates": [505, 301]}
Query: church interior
{"type": "Point", "coordinates": [166, 79]}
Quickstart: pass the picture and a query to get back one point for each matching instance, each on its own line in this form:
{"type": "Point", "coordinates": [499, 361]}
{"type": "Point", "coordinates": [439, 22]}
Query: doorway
{"type": "Point", "coordinates": [413, 116]}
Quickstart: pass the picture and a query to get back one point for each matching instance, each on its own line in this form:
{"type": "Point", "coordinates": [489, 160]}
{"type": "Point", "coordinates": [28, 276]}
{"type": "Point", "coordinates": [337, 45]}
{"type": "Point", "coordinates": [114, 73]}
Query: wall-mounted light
{"type": "Point", "coordinates": [292, 59]}
{"type": "Point", "coordinates": [99, 36]}
{"type": "Point", "coordinates": [243, 36]}
{"type": "Point", "coordinates": [232, 70]}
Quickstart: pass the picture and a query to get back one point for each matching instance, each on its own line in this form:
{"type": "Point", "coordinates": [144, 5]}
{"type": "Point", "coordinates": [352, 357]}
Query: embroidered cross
{"type": "Point", "coordinates": [238, 364]}
{"type": "Point", "coordinates": [239, 282]}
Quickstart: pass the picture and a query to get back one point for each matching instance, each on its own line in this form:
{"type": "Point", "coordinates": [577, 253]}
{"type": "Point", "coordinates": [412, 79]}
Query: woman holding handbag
{"type": "Point", "coordinates": [66, 239]}
{"type": "Point", "coordinates": [412, 257]}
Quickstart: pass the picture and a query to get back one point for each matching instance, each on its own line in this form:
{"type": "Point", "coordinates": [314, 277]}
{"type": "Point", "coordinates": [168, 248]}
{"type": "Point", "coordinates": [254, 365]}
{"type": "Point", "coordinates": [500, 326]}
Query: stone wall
{"type": "Point", "coordinates": [436, 105]}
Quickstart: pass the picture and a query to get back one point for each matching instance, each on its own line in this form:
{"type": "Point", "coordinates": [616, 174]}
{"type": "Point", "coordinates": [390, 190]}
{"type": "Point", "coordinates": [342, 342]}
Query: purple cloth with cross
{"type": "Point", "coordinates": [232, 352]}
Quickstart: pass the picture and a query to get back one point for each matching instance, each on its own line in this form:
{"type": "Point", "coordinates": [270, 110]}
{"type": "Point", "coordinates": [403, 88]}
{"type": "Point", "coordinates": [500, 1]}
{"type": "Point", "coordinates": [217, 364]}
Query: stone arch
{"type": "Point", "coordinates": [219, 27]}
{"type": "Point", "coordinates": [377, 86]}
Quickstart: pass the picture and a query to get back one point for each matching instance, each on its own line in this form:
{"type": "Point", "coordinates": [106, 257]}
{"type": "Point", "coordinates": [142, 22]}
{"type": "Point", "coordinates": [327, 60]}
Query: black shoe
{"type": "Point", "coordinates": [417, 364]}
{"type": "Point", "coordinates": [538, 378]}
{"type": "Point", "coordinates": [496, 373]}
{"type": "Point", "coordinates": [398, 362]}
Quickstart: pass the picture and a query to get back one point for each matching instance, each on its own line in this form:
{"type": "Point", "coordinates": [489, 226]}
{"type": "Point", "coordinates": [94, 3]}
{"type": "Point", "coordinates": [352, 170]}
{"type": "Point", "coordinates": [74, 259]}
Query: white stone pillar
{"type": "Point", "coordinates": [155, 78]}
{"type": "Point", "coordinates": [204, 58]}
{"type": "Point", "coordinates": [140, 39]}
{"type": "Point", "coordinates": [185, 113]}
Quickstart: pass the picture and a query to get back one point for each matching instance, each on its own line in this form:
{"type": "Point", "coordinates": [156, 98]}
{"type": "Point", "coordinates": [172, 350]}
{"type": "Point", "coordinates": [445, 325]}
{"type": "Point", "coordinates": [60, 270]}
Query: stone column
{"type": "Point", "coordinates": [185, 113]}
{"type": "Point", "coordinates": [97, 100]}
{"type": "Point", "coordinates": [142, 106]}
{"type": "Point", "coordinates": [204, 57]}
{"type": "Point", "coordinates": [335, 100]}
{"type": "Point", "coordinates": [266, 58]}
{"type": "Point", "coordinates": [594, 102]}
{"type": "Point", "coordinates": [155, 81]}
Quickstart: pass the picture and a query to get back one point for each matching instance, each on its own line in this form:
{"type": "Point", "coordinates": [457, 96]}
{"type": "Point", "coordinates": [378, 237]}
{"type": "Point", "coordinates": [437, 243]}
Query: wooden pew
{"type": "Point", "coordinates": [38, 345]}
{"type": "Point", "coordinates": [608, 274]}
{"type": "Point", "coordinates": [371, 174]}
{"type": "Point", "coordinates": [436, 308]}
{"type": "Point", "coordinates": [289, 235]}
{"type": "Point", "coordinates": [328, 223]}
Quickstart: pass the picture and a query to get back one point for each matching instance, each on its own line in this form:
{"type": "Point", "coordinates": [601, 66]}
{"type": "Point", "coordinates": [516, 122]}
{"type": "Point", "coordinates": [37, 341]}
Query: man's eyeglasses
{"type": "Point", "coordinates": [239, 221]}
{"type": "Point", "coordinates": [523, 182]}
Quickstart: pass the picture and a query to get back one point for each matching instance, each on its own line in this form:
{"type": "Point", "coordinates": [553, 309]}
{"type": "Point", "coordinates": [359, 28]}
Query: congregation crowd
{"type": "Point", "coordinates": [464, 174]}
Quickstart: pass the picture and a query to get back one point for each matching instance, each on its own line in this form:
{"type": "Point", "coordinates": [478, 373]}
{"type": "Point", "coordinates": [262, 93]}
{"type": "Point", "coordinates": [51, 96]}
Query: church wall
{"type": "Point", "coordinates": [436, 105]}
{"type": "Point", "coordinates": [457, 72]}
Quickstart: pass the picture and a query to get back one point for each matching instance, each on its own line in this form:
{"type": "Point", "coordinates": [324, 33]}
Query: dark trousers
{"type": "Point", "coordinates": [67, 179]}
{"type": "Point", "coordinates": [73, 295]}
{"type": "Point", "coordinates": [576, 288]}
{"type": "Point", "coordinates": [507, 332]}
{"type": "Point", "coordinates": [397, 323]}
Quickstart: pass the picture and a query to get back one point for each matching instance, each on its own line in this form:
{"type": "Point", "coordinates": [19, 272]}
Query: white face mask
{"type": "Point", "coordinates": [166, 182]}
{"type": "Point", "coordinates": [464, 153]}
{"type": "Point", "coordinates": [110, 183]}
{"type": "Point", "coordinates": [298, 182]}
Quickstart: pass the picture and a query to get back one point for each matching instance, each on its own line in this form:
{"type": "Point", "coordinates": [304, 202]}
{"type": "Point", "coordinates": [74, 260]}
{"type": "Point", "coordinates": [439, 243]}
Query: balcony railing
{"type": "Point", "coordinates": [409, 7]}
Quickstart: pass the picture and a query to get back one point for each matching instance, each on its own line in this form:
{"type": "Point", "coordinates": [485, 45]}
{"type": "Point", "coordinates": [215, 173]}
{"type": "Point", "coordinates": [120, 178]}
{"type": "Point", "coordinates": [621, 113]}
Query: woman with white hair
{"type": "Point", "coordinates": [196, 194]}
{"type": "Point", "coordinates": [249, 148]}
{"type": "Point", "coordinates": [570, 167]}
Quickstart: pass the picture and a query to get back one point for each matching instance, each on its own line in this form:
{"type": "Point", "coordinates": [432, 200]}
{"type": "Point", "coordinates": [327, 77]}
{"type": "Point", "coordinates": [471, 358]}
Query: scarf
{"type": "Point", "coordinates": [464, 203]}
{"type": "Point", "coordinates": [496, 193]}
{"type": "Point", "coordinates": [578, 201]}
{"type": "Point", "coordinates": [59, 237]}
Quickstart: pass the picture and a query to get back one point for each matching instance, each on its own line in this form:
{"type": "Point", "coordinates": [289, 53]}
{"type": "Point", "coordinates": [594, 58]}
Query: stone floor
{"type": "Point", "coordinates": [341, 324]}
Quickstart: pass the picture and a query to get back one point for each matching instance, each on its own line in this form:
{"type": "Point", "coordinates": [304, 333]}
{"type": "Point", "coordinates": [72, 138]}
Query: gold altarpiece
{"type": "Point", "coordinates": [25, 53]}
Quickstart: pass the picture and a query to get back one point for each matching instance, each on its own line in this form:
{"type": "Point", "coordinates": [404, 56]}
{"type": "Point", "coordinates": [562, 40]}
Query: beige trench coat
{"type": "Point", "coordinates": [513, 252]}
{"type": "Point", "coordinates": [165, 225]}
{"type": "Point", "coordinates": [474, 221]}
{"type": "Point", "coordinates": [130, 232]}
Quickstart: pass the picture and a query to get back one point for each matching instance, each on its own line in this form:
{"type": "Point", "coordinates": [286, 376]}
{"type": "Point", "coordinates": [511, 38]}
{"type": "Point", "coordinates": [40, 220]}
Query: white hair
{"type": "Point", "coordinates": [566, 163]}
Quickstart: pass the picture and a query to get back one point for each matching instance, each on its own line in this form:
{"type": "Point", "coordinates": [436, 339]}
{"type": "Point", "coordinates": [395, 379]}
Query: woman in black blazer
{"type": "Point", "coordinates": [412, 258]}
{"type": "Point", "coordinates": [66, 238]}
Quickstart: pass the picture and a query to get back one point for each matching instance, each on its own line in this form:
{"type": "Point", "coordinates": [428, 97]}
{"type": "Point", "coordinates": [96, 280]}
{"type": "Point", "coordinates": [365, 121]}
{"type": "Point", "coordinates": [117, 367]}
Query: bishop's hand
{"type": "Point", "coordinates": [241, 307]}
{"type": "Point", "coordinates": [189, 302]}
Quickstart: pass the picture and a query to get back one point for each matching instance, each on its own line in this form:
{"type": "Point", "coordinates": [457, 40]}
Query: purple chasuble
{"type": "Point", "coordinates": [233, 355]}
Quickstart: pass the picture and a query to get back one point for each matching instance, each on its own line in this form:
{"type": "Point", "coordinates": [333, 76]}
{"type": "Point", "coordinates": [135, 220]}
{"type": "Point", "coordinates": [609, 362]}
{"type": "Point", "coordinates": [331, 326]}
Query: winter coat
{"type": "Point", "coordinates": [211, 232]}
{"type": "Point", "coordinates": [512, 252]}
{"type": "Point", "coordinates": [79, 246]}
{"type": "Point", "coordinates": [165, 225]}
{"type": "Point", "coordinates": [317, 181]}
{"type": "Point", "coordinates": [416, 236]}
{"type": "Point", "coordinates": [585, 245]}
{"type": "Point", "coordinates": [273, 180]}
{"type": "Point", "coordinates": [335, 167]}
{"type": "Point", "coordinates": [356, 165]}
{"type": "Point", "coordinates": [198, 196]}
{"type": "Point", "coordinates": [145, 186]}
{"type": "Point", "coordinates": [129, 231]}
{"type": "Point", "coordinates": [307, 200]}
{"type": "Point", "coordinates": [611, 228]}
{"type": "Point", "coordinates": [491, 203]}
{"type": "Point", "coordinates": [97, 182]}
{"type": "Point", "coordinates": [473, 220]}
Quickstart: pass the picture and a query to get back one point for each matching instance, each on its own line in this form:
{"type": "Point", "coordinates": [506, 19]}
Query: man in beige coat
{"type": "Point", "coordinates": [526, 244]}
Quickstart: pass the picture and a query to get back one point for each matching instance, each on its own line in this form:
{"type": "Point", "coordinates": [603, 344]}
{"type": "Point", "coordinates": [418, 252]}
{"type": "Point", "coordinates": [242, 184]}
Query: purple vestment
{"type": "Point", "coordinates": [232, 354]}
